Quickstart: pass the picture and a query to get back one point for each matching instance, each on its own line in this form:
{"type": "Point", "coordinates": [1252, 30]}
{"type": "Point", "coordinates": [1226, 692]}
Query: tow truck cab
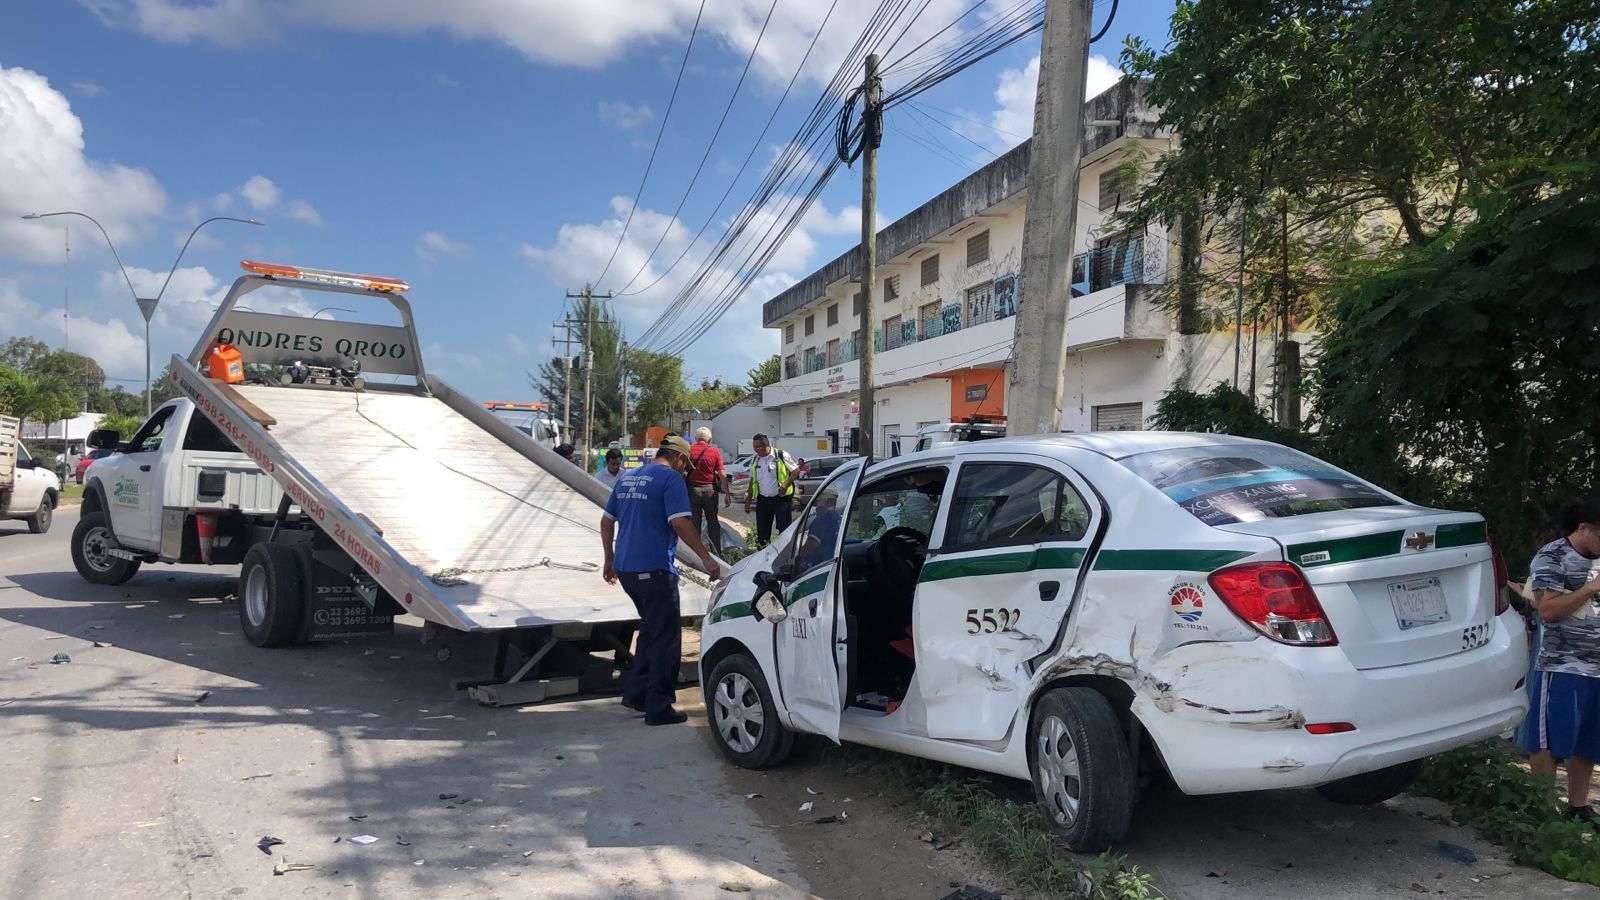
{"type": "Point", "coordinates": [176, 467]}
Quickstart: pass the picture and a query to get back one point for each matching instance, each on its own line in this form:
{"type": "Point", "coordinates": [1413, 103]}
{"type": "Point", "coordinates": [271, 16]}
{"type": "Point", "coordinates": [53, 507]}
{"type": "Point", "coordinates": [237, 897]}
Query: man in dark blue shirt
{"type": "Point", "coordinates": [647, 513]}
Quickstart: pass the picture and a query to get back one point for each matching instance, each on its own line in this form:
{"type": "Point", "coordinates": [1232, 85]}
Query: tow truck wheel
{"type": "Point", "coordinates": [1369, 788]}
{"type": "Point", "coordinates": [1082, 769]}
{"type": "Point", "coordinates": [744, 721]}
{"type": "Point", "coordinates": [92, 542]}
{"type": "Point", "coordinates": [39, 522]}
{"type": "Point", "coordinates": [271, 595]}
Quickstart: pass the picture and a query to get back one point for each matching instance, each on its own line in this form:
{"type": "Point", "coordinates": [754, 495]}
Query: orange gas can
{"type": "Point", "coordinates": [227, 363]}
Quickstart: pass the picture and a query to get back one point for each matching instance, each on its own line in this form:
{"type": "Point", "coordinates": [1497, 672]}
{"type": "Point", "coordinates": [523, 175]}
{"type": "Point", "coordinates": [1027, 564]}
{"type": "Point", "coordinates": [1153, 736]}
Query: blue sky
{"type": "Point", "coordinates": [487, 152]}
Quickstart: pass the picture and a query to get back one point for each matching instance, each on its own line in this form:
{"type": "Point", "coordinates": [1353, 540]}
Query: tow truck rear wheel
{"type": "Point", "coordinates": [272, 595]}
{"type": "Point", "coordinates": [92, 543]}
{"type": "Point", "coordinates": [1083, 772]}
{"type": "Point", "coordinates": [1370, 788]}
{"type": "Point", "coordinates": [744, 720]}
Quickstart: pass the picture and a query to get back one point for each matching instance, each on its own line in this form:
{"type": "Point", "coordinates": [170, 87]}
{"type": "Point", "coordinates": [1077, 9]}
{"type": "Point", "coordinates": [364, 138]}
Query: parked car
{"type": "Point", "coordinates": [1080, 609]}
{"type": "Point", "coordinates": [87, 460]}
{"type": "Point", "coordinates": [817, 469]}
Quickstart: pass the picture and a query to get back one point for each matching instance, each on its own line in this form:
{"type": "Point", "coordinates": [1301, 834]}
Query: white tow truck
{"type": "Point", "coordinates": [28, 489]}
{"type": "Point", "coordinates": [346, 501]}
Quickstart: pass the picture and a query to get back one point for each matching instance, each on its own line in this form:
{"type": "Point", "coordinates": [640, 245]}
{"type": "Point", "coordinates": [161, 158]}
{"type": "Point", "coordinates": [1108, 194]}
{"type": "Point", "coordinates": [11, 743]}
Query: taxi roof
{"type": "Point", "coordinates": [1111, 444]}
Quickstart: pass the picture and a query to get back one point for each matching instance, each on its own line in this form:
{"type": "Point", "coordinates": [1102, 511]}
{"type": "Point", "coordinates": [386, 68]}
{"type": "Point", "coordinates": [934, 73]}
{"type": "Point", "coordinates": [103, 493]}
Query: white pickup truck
{"type": "Point", "coordinates": [28, 489]}
{"type": "Point", "coordinates": [347, 501]}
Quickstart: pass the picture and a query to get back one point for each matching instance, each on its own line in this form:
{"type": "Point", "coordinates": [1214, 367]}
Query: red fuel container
{"type": "Point", "coordinates": [227, 364]}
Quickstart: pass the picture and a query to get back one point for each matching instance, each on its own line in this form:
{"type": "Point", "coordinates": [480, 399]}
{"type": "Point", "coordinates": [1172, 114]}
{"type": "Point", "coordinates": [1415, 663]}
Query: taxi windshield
{"type": "Point", "coordinates": [1227, 484]}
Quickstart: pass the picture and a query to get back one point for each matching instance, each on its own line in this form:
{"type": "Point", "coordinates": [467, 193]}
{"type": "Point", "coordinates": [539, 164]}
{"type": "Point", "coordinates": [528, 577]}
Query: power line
{"type": "Point", "coordinates": [710, 145]}
{"type": "Point", "coordinates": [639, 194]}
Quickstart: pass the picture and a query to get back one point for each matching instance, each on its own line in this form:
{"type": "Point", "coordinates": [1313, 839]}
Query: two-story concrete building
{"type": "Point", "coordinates": [947, 292]}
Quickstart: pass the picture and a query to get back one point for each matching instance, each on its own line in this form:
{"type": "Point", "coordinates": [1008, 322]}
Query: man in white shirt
{"type": "Point", "coordinates": [608, 475]}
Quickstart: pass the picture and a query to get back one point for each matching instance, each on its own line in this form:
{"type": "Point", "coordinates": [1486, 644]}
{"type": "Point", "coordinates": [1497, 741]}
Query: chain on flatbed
{"type": "Point", "coordinates": [452, 576]}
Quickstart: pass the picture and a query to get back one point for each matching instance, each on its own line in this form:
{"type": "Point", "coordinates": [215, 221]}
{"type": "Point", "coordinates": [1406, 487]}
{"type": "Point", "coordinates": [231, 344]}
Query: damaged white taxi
{"type": "Point", "coordinates": [1080, 609]}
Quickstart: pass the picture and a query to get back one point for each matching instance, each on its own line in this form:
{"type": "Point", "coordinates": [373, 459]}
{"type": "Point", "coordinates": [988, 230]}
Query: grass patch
{"type": "Point", "coordinates": [71, 493]}
{"type": "Point", "coordinates": [1486, 785]}
{"type": "Point", "coordinates": [1009, 834]}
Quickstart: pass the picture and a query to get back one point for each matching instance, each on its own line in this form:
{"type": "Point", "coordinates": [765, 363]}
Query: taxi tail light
{"type": "Point", "coordinates": [1275, 598]}
{"type": "Point", "coordinates": [1502, 593]}
{"type": "Point", "coordinates": [1330, 727]}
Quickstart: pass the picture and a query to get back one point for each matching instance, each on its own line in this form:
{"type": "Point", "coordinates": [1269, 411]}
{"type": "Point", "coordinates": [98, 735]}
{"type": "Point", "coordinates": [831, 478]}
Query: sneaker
{"type": "Point", "coordinates": [1582, 814]}
{"type": "Point", "coordinates": [670, 717]}
{"type": "Point", "coordinates": [629, 704]}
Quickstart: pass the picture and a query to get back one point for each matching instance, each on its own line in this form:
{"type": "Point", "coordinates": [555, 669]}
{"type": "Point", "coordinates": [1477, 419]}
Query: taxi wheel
{"type": "Point", "coordinates": [744, 720]}
{"type": "Point", "coordinates": [1369, 788]}
{"type": "Point", "coordinates": [1082, 769]}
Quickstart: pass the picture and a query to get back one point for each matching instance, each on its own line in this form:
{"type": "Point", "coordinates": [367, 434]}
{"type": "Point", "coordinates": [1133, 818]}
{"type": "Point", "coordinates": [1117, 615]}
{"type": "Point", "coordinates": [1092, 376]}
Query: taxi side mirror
{"type": "Point", "coordinates": [768, 607]}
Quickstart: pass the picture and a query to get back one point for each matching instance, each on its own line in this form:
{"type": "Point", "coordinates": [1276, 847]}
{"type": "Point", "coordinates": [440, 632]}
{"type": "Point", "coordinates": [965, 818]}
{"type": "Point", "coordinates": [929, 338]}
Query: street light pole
{"type": "Point", "coordinates": [327, 308]}
{"type": "Point", "coordinates": [147, 305]}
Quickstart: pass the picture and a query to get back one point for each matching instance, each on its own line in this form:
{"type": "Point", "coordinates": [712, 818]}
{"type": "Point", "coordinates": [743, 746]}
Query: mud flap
{"type": "Point", "coordinates": [335, 611]}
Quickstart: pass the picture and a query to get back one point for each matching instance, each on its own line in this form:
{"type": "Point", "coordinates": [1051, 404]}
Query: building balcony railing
{"type": "Point", "coordinates": [1122, 262]}
{"type": "Point", "coordinates": [816, 361]}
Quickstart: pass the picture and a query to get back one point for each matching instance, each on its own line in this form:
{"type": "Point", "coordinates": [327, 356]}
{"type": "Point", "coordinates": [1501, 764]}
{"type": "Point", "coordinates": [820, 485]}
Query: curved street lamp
{"type": "Point", "coordinates": [327, 308]}
{"type": "Point", "coordinates": [147, 305]}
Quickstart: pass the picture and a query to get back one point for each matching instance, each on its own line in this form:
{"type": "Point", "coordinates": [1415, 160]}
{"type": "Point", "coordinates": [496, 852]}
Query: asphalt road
{"type": "Point", "coordinates": [117, 781]}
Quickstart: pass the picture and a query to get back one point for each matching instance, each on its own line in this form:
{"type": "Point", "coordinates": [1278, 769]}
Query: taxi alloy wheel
{"type": "Point", "coordinates": [744, 720]}
{"type": "Point", "coordinates": [1083, 775]}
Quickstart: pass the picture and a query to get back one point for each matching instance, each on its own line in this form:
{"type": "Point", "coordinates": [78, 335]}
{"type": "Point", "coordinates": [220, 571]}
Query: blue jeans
{"type": "Point", "coordinates": [653, 681]}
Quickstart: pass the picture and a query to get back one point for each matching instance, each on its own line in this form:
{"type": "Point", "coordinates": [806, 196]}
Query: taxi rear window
{"type": "Point", "coordinates": [1227, 484]}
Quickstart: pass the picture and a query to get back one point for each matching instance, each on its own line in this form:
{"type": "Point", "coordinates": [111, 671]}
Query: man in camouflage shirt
{"type": "Point", "coordinates": [1565, 716]}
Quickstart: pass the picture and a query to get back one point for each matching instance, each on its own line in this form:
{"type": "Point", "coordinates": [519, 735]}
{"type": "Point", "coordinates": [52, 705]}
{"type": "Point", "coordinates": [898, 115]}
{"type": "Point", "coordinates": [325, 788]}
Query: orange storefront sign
{"type": "Point", "coordinates": [977, 393]}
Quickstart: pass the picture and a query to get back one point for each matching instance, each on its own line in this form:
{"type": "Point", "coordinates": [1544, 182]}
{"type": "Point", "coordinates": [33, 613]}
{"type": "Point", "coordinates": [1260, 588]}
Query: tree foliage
{"type": "Point", "coordinates": [606, 381]}
{"type": "Point", "coordinates": [1469, 375]}
{"type": "Point", "coordinates": [768, 371]}
{"type": "Point", "coordinates": [35, 398]}
{"type": "Point", "coordinates": [656, 383]}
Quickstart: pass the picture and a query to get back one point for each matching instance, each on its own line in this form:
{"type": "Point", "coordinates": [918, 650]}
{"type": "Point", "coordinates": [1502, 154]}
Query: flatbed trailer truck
{"type": "Point", "coordinates": [346, 501]}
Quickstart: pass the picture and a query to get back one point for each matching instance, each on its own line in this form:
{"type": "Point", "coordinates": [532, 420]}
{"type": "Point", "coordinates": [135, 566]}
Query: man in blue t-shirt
{"type": "Point", "coordinates": [647, 513]}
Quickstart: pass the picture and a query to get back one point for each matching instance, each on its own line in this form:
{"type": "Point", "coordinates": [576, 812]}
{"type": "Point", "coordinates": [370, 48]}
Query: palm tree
{"type": "Point", "coordinates": [42, 398]}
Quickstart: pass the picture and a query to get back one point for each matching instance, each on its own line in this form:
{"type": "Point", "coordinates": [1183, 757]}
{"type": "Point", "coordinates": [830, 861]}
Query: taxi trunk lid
{"type": "Point", "coordinates": [1399, 584]}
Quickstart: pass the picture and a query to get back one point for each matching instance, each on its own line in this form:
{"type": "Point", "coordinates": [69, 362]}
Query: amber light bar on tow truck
{"type": "Point", "coordinates": [346, 279]}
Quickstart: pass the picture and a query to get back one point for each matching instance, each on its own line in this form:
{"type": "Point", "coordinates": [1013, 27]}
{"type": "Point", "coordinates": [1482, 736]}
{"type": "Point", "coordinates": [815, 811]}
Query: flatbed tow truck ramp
{"type": "Point", "coordinates": [404, 497]}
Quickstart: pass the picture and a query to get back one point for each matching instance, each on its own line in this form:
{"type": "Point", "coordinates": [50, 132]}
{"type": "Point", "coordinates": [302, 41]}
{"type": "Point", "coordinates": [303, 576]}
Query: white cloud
{"type": "Point", "coordinates": [433, 245]}
{"type": "Point", "coordinates": [444, 80]}
{"type": "Point", "coordinates": [302, 211]}
{"type": "Point", "coordinates": [1018, 87]}
{"type": "Point", "coordinates": [222, 201]}
{"type": "Point", "coordinates": [518, 345]}
{"type": "Point", "coordinates": [261, 192]}
{"type": "Point", "coordinates": [43, 168]}
{"type": "Point", "coordinates": [587, 34]}
{"type": "Point", "coordinates": [88, 88]}
{"type": "Point", "coordinates": [624, 116]}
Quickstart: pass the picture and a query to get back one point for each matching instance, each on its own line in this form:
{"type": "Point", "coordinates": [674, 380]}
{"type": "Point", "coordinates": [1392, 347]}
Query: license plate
{"type": "Point", "coordinates": [1419, 601]}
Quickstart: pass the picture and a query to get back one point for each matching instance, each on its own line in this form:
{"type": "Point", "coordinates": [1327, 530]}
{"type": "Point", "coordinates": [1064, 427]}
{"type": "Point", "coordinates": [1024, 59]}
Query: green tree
{"type": "Point", "coordinates": [125, 425]}
{"type": "Point", "coordinates": [22, 352]}
{"type": "Point", "coordinates": [606, 384]}
{"type": "Point", "coordinates": [769, 371]}
{"type": "Point", "coordinates": [35, 398]}
{"type": "Point", "coordinates": [656, 382]}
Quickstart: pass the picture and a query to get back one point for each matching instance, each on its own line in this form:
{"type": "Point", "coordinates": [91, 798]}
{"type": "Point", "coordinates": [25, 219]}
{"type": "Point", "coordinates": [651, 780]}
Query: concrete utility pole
{"type": "Point", "coordinates": [871, 136]}
{"type": "Point", "coordinates": [1038, 377]}
{"type": "Point", "coordinates": [566, 343]}
{"type": "Point", "coordinates": [627, 436]}
{"type": "Point", "coordinates": [588, 296]}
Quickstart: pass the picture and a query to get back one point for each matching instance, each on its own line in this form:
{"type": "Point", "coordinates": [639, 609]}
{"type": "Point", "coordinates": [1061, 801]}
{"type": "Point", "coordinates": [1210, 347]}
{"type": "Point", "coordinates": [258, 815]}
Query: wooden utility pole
{"type": "Point", "coordinates": [1038, 377]}
{"type": "Point", "coordinates": [872, 135]}
{"type": "Point", "coordinates": [566, 343]}
{"type": "Point", "coordinates": [588, 296]}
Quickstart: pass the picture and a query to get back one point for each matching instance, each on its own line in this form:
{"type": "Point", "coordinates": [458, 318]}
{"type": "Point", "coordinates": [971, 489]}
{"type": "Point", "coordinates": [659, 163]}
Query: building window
{"type": "Point", "coordinates": [980, 304]}
{"type": "Point", "coordinates": [852, 350]}
{"type": "Point", "coordinates": [788, 333]}
{"type": "Point", "coordinates": [928, 316]}
{"type": "Point", "coordinates": [930, 270]}
{"type": "Point", "coordinates": [1119, 417]}
{"type": "Point", "coordinates": [978, 249]}
{"type": "Point", "coordinates": [791, 367]}
{"type": "Point", "coordinates": [893, 334]}
{"type": "Point", "coordinates": [855, 304]}
{"type": "Point", "coordinates": [891, 288]}
{"type": "Point", "coordinates": [811, 325]}
{"type": "Point", "coordinates": [833, 314]}
{"type": "Point", "coordinates": [833, 352]}
{"type": "Point", "coordinates": [809, 411]}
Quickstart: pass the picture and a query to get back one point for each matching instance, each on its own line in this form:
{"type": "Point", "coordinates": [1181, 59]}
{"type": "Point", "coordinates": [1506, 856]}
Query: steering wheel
{"type": "Point", "coordinates": [898, 555]}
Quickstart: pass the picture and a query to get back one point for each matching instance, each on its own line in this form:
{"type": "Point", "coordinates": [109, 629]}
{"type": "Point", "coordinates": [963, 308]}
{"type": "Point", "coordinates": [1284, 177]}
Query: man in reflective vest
{"type": "Point", "coordinates": [772, 476]}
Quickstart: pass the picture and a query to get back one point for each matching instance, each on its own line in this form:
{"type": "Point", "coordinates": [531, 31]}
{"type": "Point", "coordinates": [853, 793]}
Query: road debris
{"type": "Point", "coordinates": [35, 799]}
{"type": "Point", "coordinates": [417, 862]}
{"type": "Point", "coordinates": [448, 796]}
{"type": "Point", "coordinates": [527, 853]}
{"type": "Point", "coordinates": [363, 839]}
{"type": "Point", "coordinates": [60, 659]}
{"type": "Point", "coordinates": [753, 796]}
{"type": "Point", "coordinates": [356, 818]}
{"type": "Point", "coordinates": [286, 866]}
{"type": "Point", "coordinates": [826, 820]}
{"type": "Point", "coordinates": [267, 842]}
{"type": "Point", "coordinates": [202, 698]}
{"type": "Point", "coordinates": [257, 775]}
{"type": "Point", "coordinates": [104, 644]}
{"type": "Point", "coordinates": [401, 841]}
{"type": "Point", "coordinates": [971, 892]}
{"type": "Point", "coordinates": [806, 806]}
{"type": "Point", "coordinates": [735, 887]}
{"type": "Point", "coordinates": [813, 792]}
{"type": "Point", "coordinates": [934, 841]}
{"type": "Point", "coordinates": [1458, 853]}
